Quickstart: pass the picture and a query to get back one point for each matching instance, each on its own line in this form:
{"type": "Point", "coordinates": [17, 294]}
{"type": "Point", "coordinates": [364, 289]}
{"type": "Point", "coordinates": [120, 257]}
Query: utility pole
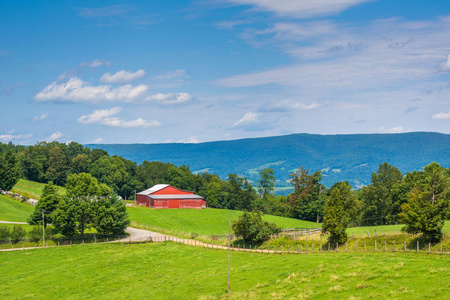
{"type": "Point", "coordinates": [135, 197]}
{"type": "Point", "coordinates": [229, 260]}
{"type": "Point", "coordinates": [43, 229]}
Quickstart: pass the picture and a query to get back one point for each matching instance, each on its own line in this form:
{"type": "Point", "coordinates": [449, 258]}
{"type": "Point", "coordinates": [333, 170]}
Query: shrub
{"type": "Point", "coordinates": [17, 233]}
{"type": "Point", "coordinates": [4, 233]}
{"type": "Point", "coordinates": [35, 234]}
{"type": "Point", "coordinates": [253, 228]}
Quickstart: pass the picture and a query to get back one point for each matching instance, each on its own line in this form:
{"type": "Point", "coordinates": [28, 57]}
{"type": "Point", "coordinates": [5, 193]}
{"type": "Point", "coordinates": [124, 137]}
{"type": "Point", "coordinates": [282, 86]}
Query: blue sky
{"type": "Point", "coordinates": [196, 71]}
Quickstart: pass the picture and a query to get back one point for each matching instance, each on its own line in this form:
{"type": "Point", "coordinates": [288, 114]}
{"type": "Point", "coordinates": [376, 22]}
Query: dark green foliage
{"type": "Point", "coordinates": [253, 229]}
{"type": "Point", "coordinates": [89, 204]}
{"type": "Point", "coordinates": [266, 182]}
{"type": "Point", "coordinates": [48, 204]}
{"type": "Point", "coordinates": [338, 211]}
{"type": "Point", "coordinates": [110, 215]}
{"type": "Point", "coordinates": [35, 234]}
{"type": "Point", "coordinates": [84, 185]}
{"type": "Point", "coordinates": [428, 204]}
{"type": "Point", "coordinates": [378, 198]}
{"type": "Point", "coordinates": [308, 199]}
{"type": "Point", "coordinates": [58, 166]}
{"type": "Point", "coordinates": [4, 233]}
{"type": "Point", "coordinates": [240, 193]}
{"type": "Point", "coordinates": [17, 233]}
{"type": "Point", "coordinates": [9, 170]}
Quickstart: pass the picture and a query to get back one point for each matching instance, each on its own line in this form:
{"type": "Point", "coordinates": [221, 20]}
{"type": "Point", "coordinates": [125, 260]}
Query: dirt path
{"type": "Point", "coordinates": [8, 222]}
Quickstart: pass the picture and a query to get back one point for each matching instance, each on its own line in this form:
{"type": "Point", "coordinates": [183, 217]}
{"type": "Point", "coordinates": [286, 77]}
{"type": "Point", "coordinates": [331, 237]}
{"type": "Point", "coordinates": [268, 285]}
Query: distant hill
{"type": "Point", "coordinates": [340, 157]}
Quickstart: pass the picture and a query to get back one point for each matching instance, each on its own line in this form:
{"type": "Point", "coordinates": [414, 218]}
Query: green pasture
{"type": "Point", "coordinates": [202, 221]}
{"type": "Point", "coordinates": [175, 271]}
{"type": "Point", "coordinates": [33, 188]}
{"type": "Point", "coordinates": [14, 210]}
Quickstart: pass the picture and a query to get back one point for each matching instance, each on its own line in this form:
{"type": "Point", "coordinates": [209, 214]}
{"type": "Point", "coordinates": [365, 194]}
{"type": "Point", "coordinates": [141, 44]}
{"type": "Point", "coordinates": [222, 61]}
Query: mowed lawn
{"type": "Point", "coordinates": [13, 210]}
{"type": "Point", "coordinates": [175, 271]}
{"type": "Point", "coordinates": [34, 188]}
{"type": "Point", "coordinates": [202, 221]}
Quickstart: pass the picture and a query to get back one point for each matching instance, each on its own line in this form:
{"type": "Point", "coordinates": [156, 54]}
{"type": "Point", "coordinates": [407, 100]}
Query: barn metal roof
{"type": "Point", "coordinates": [185, 196]}
{"type": "Point", "coordinates": [153, 189]}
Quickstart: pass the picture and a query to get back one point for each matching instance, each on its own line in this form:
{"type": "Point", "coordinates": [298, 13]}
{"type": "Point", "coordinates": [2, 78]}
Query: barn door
{"type": "Point", "coordinates": [173, 203]}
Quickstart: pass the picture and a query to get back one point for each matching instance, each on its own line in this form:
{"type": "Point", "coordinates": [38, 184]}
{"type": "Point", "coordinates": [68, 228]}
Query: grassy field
{"type": "Point", "coordinates": [203, 221]}
{"type": "Point", "coordinates": [174, 271]}
{"type": "Point", "coordinates": [14, 210]}
{"type": "Point", "coordinates": [34, 188]}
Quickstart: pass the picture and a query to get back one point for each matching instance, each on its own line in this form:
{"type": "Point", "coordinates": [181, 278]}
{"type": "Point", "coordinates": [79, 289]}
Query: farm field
{"type": "Point", "coordinates": [202, 221]}
{"type": "Point", "coordinates": [34, 188]}
{"type": "Point", "coordinates": [13, 210]}
{"type": "Point", "coordinates": [169, 270]}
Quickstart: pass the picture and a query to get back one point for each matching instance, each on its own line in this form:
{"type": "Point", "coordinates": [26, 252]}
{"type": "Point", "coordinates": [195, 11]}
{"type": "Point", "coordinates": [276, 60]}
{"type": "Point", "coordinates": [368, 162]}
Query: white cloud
{"type": "Point", "coordinates": [397, 129]}
{"type": "Point", "coordinates": [441, 116]}
{"type": "Point", "coordinates": [169, 98]}
{"type": "Point", "coordinates": [122, 76]}
{"type": "Point", "coordinates": [43, 116]}
{"type": "Point", "coordinates": [445, 66]}
{"type": "Point", "coordinates": [301, 8]}
{"type": "Point", "coordinates": [95, 63]}
{"type": "Point", "coordinates": [287, 106]}
{"type": "Point", "coordinates": [105, 117]}
{"type": "Point", "coordinates": [76, 90]}
{"type": "Point", "coordinates": [11, 137]}
{"type": "Point", "coordinates": [98, 115]}
{"type": "Point", "coordinates": [191, 140]}
{"type": "Point", "coordinates": [173, 75]}
{"type": "Point", "coordinates": [250, 118]}
{"type": "Point", "coordinates": [97, 141]}
{"type": "Point", "coordinates": [55, 136]}
{"type": "Point", "coordinates": [306, 106]}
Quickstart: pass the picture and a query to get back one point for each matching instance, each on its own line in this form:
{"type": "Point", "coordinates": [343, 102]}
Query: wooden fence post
{"type": "Point", "coordinates": [356, 246]}
{"type": "Point", "coordinates": [394, 246]}
{"type": "Point", "coordinates": [429, 248]}
{"type": "Point", "coordinates": [384, 245]}
{"type": "Point", "coordinates": [375, 245]}
{"type": "Point", "coordinates": [417, 246]}
{"type": "Point", "coordinates": [404, 242]}
{"type": "Point", "coordinates": [441, 249]}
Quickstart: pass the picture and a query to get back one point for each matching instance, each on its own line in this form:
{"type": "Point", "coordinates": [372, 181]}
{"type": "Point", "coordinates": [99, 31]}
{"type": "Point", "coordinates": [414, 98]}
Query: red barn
{"type": "Point", "coordinates": [167, 196]}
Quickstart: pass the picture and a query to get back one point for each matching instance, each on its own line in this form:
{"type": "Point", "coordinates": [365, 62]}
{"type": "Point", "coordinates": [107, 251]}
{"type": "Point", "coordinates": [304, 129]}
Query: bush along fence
{"type": "Point", "coordinates": [17, 237]}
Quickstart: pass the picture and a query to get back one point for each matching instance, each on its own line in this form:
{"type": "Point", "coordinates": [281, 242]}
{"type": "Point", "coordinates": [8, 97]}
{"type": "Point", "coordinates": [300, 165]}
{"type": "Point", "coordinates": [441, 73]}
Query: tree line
{"type": "Point", "coordinates": [55, 162]}
{"type": "Point", "coordinates": [419, 199]}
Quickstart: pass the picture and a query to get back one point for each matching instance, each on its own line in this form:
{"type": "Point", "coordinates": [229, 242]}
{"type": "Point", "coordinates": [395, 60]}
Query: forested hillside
{"type": "Point", "coordinates": [350, 158]}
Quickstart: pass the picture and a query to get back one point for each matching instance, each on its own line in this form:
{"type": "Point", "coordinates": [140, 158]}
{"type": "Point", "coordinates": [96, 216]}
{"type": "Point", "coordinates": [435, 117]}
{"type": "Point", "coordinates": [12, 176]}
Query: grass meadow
{"type": "Point", "coordinates": [202, 221]}
{"type": "Point", "coordinates": [14, 210]}
{"type": "Point", "coordinates": [174, 271]}
{"type": "Point", "coordinates": [33, 188]}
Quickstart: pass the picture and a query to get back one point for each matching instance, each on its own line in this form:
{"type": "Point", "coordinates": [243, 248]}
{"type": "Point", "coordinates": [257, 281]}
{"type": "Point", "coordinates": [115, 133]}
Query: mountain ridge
{"type": "Point", "coordinates": [349, 157]}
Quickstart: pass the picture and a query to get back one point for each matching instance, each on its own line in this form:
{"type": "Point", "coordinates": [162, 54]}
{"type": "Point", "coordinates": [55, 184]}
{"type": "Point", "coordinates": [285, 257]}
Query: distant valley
{"type": "Point", "coordinates": [350, 158]}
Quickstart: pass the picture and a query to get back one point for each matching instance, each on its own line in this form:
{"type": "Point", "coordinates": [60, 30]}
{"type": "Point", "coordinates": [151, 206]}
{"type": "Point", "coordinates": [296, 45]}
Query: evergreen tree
{"type": "Point", "coordinates": [428, 204]}
{"type": "Point", "coordinates": [307, 200]}
{"type": "Point", "coordinates": [110, 215]}
{"type": "Point", "coordinates": [377, 198]}
{"type": "Point", "coordinates": [266, 182]}
{"type": "Point", "coordinates": [47, 204]}
{"type": "Point", "coordinates": [9, 170]}
{"type": "Point", "coordinates": [338, 210]}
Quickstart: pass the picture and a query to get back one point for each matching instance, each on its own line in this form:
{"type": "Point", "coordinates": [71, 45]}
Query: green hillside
{"type": "Point", "coordinates": [202, 221]}
{"type": "Point", "coordinates": [34, 188]}
{"type": "Point", "coordinates": [174, 271]}
{"type": "Point", "coordinates": [13, 210]}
